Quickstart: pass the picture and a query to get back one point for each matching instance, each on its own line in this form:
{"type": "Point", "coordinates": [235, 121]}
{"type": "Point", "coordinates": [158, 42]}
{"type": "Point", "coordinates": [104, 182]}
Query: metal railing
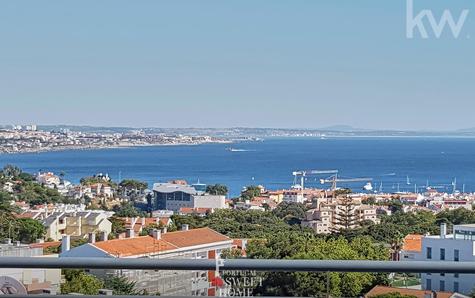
{"type": "Point", "coordinates": [242, 264]}
{"type": "Point", "coordinates": [235, 264]}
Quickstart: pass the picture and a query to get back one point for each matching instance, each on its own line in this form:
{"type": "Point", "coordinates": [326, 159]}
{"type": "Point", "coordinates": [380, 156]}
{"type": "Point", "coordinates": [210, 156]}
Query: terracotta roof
{"type": "Point", "coordinates": [412, 242]}
{"type": "Point", "coordinates": [169, 241]}
{"type": "Point", "coordinates": [194, 237]}
{"type": "Point", "coordinates": [189, 210]}
{"type": "Point", "coordinates": [134, 246]}
{"type": "Point", "coordinates": [379, 290]}
{"type": "Point", "coordinates": [28, 214]}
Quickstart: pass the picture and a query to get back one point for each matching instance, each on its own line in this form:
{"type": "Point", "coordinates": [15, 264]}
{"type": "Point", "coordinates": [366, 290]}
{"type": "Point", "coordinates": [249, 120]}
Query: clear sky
{"type": "Point", "coordinates": [253, 63]}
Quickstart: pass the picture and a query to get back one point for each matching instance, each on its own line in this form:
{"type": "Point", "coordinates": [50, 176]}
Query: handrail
{"type": "Point", "coordinates": [241, 264]}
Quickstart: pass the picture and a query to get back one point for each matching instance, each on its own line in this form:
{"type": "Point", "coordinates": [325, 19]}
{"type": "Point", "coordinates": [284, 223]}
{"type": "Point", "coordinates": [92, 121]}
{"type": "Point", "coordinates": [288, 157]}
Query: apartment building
{"type": "Point", "coordinates": [203, 243]}
{"type": "Point", "coordinates": [330, 215]}
{"type": "Point", "coordinates": [458, 246]}
{"type": "Point", "coordinates": [76, 224]}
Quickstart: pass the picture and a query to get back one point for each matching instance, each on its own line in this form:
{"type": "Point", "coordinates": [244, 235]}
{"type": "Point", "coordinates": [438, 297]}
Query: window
{"type": "Point", "coordinates": [429, 284]}
{"type": "Point", "coordinates": [442, 274]}
{"type": "Point", "coordinates": [456, 275]}
{"type": "Point", "coordinates": [442, 285]}
{"type": "Point", "coordinates": [456, 255]}
{"type": "Point", "coordinates": [442, 254]}
{"type": "Point", "coordinates": [429, 252]}
{"type": "Point", "coordinates": [456, 286]}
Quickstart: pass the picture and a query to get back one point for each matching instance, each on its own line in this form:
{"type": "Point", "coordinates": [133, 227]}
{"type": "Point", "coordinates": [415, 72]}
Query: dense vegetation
{"type": "Point", "coordinates": [24, 188]}
{"type": "Point", "coordinates": [217, 189]}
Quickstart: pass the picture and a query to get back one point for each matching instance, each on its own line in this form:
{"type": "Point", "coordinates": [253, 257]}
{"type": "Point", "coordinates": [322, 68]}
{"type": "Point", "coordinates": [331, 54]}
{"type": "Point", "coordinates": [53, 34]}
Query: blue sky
{"type": "Point", "coordinates": [265, 63]}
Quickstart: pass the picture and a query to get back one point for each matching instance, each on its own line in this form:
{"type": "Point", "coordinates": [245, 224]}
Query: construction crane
{"type": "Point", "coordinates": [304, 173]}
{"type": "Point", "coordinates": [334, 179]}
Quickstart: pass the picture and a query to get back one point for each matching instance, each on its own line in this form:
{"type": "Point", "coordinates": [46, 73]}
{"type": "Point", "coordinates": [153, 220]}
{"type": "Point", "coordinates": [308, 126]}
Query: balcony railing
{"type": "Point", "coordinates": [237, 264]}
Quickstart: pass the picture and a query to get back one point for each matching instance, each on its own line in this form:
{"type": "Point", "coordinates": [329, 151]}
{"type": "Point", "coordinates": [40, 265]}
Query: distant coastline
{"type": "Point", "coordinates": [125, 146]}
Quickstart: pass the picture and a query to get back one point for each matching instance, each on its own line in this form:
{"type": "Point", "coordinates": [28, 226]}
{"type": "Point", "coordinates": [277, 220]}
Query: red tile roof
{"type": "Point", "coordinates": [169, 241]}
{"type": "Point", "coordinates": [412, 242]}
{"type": "Point", "coordinates": [379, 290]}
{"type": "Point", "coordinates": [194, 237]}
{"type": "Point", "coordinates": [134, 246]}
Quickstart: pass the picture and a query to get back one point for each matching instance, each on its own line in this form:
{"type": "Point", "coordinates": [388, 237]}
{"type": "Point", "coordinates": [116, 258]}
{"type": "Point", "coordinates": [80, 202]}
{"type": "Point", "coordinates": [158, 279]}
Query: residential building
{"type": "Point", "coordinates": [203, 243]}
{"type": "Point", "coordinates": [76, 224]}
{"type": "Point", "coordinates": [459, 247]}
{"type": "Point", "coordinates": [294, 196]}
{"type": "Point", "coordinates": [330, 215]}
{"type": "Point", "coordinates": [35, 281]}
{"type": "Point", "coordinates": [173, 196]}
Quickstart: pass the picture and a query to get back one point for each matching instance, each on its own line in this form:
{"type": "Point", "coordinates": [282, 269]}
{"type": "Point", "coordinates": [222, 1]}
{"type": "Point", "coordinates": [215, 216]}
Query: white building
{"type": "Point", "coordinates": [294, 196]}
{"type": "Point", "coordinates": [202, 243]}
{"type": "Point", "coordinates": [459, 246]}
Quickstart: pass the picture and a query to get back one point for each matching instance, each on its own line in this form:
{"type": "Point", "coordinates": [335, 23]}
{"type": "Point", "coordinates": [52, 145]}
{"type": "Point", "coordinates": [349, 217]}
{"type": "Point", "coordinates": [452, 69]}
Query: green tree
{"type": "Point", "coordinates": [78, 281]}
{"type": "Point", "coordinates": [120, 285]}
{"type": "Point", "coordinates": [29, 230]}
{"type": "Point", "coordinates": [217, 189]}
{"type": "Point", "coordinates": [131, 184]}
{"type": "Point", "coordinates": [127, 209]}
{"type": "Point", "coordinates": [250, 192]}
{"type": "Point", "coordinates": [118, 226]}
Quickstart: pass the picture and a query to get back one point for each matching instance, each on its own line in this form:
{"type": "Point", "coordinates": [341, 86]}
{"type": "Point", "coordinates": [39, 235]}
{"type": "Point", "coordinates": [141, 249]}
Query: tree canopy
{"type": "Point", "coordinates": [217, 189]}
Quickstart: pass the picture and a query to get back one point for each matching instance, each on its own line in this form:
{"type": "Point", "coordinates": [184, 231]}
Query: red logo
{"type": "Point", "coordinates": [217, 282]}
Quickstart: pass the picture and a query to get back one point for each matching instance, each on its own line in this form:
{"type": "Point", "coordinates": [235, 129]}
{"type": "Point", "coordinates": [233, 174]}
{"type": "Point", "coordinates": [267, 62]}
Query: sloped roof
{"type": "Point", "coordinates": [412, 242]}
{"type": "Point", "coordinates": [379, 290]}
{"type": "Point", "coordinates": [194, 237]}
{"type": "Point", "coordinates": [134, 246]}
{"type": "Point", "coordinates": [143, 245]}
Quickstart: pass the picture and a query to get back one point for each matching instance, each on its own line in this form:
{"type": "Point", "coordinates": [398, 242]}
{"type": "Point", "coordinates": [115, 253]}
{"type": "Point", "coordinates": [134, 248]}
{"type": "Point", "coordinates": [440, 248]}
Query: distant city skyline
{"type": "Point", "coordinates": [270, 63]}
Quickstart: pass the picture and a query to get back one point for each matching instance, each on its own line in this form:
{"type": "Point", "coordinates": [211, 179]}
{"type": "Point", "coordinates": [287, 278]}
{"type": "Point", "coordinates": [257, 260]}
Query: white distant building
{"type": "Point", "coordinates": [48, 179]}
{"type": "Point", "coordinates": [294, 196]}
{"type": "Point", "coordinates": [459, 247]}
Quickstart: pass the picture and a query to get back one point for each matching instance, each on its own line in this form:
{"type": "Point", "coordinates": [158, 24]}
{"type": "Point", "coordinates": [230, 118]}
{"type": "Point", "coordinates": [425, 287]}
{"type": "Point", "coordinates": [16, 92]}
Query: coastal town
{"type": "Point", "coordinates": [42, 214]}
{"type": "Point", "coordinates": [28, 138]}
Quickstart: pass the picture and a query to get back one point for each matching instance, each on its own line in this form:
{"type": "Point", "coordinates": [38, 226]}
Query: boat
{"type": "Point", "coordinates": [234, 149]}
{"type": "Point", "coordinates": [368, 186]}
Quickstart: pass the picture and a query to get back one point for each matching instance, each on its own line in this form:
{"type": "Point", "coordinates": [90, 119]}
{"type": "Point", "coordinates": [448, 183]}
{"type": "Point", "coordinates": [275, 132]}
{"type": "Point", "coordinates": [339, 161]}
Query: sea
{"type": "Point", "coordinates": [394, 164]}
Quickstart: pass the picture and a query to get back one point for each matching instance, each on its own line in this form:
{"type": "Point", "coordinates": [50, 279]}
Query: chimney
{"type": "Point", "coordinates": [156, 234]}
{"type": "Point", "coordinates": [184, 227]}
{"type": "Point", "coordinates": [9, 241]}
{"type": "Point", "coordinates": [65, 243]}
{"type": "Point", "coordinates": [17, 243]}
{"type": "Point", "coordinates": [143, 221]}
{"type": "Point", "coordinates": [91, 237]}
{"type": "Point", "coordinates": [164, 230]}
{"type": "Point", "coordinates": [443, 230]}
{"type": "Point", "coordinates": [104, 236]}
{"type": "Point", "coordinates": [129, 233]}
